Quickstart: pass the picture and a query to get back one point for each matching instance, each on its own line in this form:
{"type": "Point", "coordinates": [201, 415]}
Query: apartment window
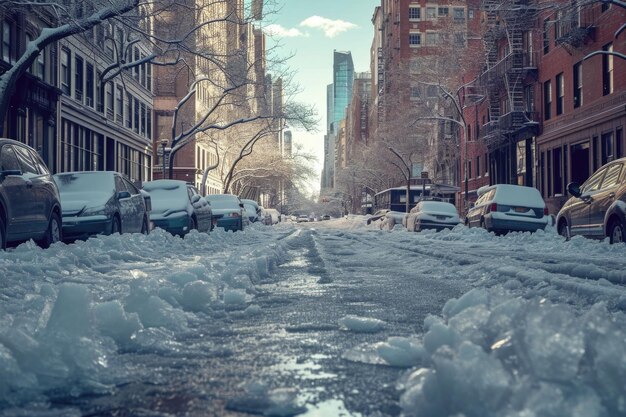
{"type": "Point", "coordinates": [149, 76]}
{"type": "Point", "coordinates": [40, 65]}
{"type": "Point", "coordinates": [431, 12]}
{"type": "Point", "coordinates": [546, 36]}
{"type": "Point", "coordinates": [66, 71]}
{"type": "Point", "coordinates": [78, 78]}
{"type": "Point", "coordinates": [89, 84]}
{"type": "Point", "coordinates": [99, 95]}
{"type": "Point", "coordinates": [431, 38]}
{"type": "Point", "coordinates": [619, 143]}
{"type": "Point", "coordinates": [477, 166]}
{"type": "Point", "coordinates": [547, 100]}
{"type": "Point", "coordinates": [119, 105]}
{"type": "Point", "coordinates": [136, 67]}
{"type": "Point", "coordinates": [529, 98]}
{"type": "Point", "coordinates": [558, 27]}
{"type": "Point", "coordinates": [7, 32]}
{"type": "Point", "coordinates": [458, 14]}
{"type": "Point", "coordinates": [136, 108]}
{"type": "Point", "coordinates": [486, 164]}
{"type": "Point", "coordinates": [415, 13]}
{"type": "Point", "coordinates": [469, 169]}
{"type": "Point", "coordinates": [578, 84]}
{"type": "Point", "coordinates": [607, 147]}
{"type": "Point", "coordinates": [415, 39]}
{"type": "Point", "coordinates": [143, 119]}
{"type": "Point", "coordinates": [560, 91]}
{"type": "Point", "coordinates": [470, 14]}
{"type": "Point", "coordinates": [149, 122]}
{"type": "Point", "coordinates": [109, 100]}
{"type": "Point", "coordinates": [129, 111]}
{"type": "Point", "coordinates": [459, 38]}
{"type": "Point", "coordinates": [443, 11]}
{"type": "Point", "coordinates": [415, 92]}
{"type": "Point", "coordinates": [607, 70]}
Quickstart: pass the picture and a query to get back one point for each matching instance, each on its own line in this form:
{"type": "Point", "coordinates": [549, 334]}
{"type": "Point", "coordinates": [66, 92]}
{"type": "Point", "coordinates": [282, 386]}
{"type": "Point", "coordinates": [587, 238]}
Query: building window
{"type": "Point", "coordinates": [546, 36]}
{"type": "Point", "coordinates": [136, 118]}
{"type": "Point", "coordinates": [99, 95]}
{"type": "Point", "coordinates": [89, 85]}
{"type": "Point", "coordinates": [607, 147]}
{"type": "Point", "coordinates": [119, 105]}
{"type": "Point", "coordinates": [78, 78]}
{"type": "Point", "coordinates": [605, 6]}
{"type": "Point", "coordinates": [529, 99]}
{"type": "Point", "coordinates": [149, 122]}
{"type": "Point", "coordinates": [547, 100]}
{"type": "Point", "coordinates": [66, 71]}
{"type": "Point", "coordinates": [470, 14]}
{"type": "Point", "coordinates": [415, 92]}
{"type": "Point", "coordinates": [443, 11]}
{"type": "Point", "coordinates": [415, 13]}
{"type": "Point", "coordinates": [40, 65]}
{"type": "Point", "coordinates": [415, 39]}
{"type": "Point", "coordinates": [560, 91]}
{"type": "Point", "coordinates": [7, 32]}
{"type": "Point", "coordinates": [619, 143]}
{"type": "Point", "coordinates": [459, 39]}
{"type": "Point", "coordinates": [109, 100]}
{"type": "Point", "coordinates": [431, 12]}
{"type": "Point", "coordinates": [477, 166]}
{"type": "Point", "coordinates": [578, 84]}
{"type": "Point", "coordinates": [149, 76]}
{"type": "Point", "coordinates": [129, 111]}
{"type": "Point", "coordinates": [458, 14]}
{"type": "Point", "coordinates": [143, 119]}
{"type": "Point", "coordinates": [607, 70]}
{"type": "Point", "coordinates": [431, 38]}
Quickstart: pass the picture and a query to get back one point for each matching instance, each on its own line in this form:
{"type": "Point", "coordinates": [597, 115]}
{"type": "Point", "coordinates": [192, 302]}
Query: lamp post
{"type": "Point", "coordinates": [163, 145]}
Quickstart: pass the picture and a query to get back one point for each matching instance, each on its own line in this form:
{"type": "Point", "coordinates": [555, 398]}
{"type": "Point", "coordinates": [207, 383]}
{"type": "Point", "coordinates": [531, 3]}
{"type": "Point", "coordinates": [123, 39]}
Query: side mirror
{"type": "Point", "coordinates": [241, 205]}
{"type": "Point", "coordinates": [195, 198]}
{"type": "Point", "coordinates": [123, 194]}
{"type": "Point", "coordinates": [574, 189]}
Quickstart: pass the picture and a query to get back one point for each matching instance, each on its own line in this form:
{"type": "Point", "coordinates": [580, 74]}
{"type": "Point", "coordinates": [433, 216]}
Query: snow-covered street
{"type": "Point", "coordinates": [320, 319]}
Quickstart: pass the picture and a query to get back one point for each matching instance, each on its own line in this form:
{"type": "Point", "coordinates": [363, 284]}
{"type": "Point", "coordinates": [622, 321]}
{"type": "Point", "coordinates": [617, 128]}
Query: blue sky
{"type": "Point", "coordinates": [312, 30]}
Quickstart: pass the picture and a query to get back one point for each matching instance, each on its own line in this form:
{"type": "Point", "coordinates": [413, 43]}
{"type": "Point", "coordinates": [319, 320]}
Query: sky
{"type": "Point", "coordinates": [311, 30]}
{"type": "Point", "coordinates": [537, 329]}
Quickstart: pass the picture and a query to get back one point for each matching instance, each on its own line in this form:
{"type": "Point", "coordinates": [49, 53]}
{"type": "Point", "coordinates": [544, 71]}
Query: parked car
{"type": "Point", "coordinates": [325, 217]}
{"type": "Point", "coordinates": [30, 204]}
{"type": "Point", "coordinates": [391, 218]}
{"type": "Point", "coordinates": [377, 216]}
{"type": "Point", "coordinates": [228, 210]}
{"type": "Point", "coordinates": [275, 215]}
{"type": "Point", "coordinates": [436, 215]}
{"type": "Point", "coordinates": [252, 209]}
{"type": "Point", "coordinates": [597, 209]}
{"type": "Point", "coordinates": [100, 202]}
{"type": "Point", "coordinates": [265, 217]}
{"type": "Point", "coordinates": [177, 207]}
{"type": "Point", "coordinates": [303, 218]}
{"type": "Point", "coordinates": [504, 208]}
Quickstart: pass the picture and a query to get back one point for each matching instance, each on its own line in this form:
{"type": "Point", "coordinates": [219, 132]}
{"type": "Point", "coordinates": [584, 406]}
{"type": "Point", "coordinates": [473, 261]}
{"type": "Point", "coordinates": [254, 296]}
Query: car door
{"type": "Point", "coordinates": [579, 210]}
{"type": "Point", "coordinates": [602, 198]}
{"type": "Point", "coordinates": [35, 187]}
{"type": "Point", "coordinates": [125, 205]}
{"type": "Point", "coordinates": [15, 194]}
{"type": "Point", "coordinates": [138, 206]}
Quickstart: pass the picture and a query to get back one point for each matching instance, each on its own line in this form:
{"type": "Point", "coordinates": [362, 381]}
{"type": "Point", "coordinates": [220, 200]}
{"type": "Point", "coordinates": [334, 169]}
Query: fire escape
{"type": "Point", "coordinates": [511, 65]}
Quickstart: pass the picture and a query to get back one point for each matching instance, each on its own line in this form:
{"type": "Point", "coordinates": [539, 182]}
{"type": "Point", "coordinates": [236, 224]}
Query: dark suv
{"type": "Point", "coordinates": [30, 206]}
{"type": "Point", "coordinates": [598, 207]}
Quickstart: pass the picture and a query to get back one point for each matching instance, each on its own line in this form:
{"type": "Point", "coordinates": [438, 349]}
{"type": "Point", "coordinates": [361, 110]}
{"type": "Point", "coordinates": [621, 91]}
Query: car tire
{"type": "Point", "coordinates": [483, 225]}
{"type": "Point", "coordinates": [617, 232]}
{"type": "Point", "coordinates": [564, 230]}
{"type": "Point", "coordinates": [145, 226]}
{"type": "Point", "coordinates": [116, 226]}
{"type": "Point", "coordinates": [53, 232]}
{"type": "Point", "coordinates": [3, 235]}
{"type": "Point", "coordinates": [193, 224]}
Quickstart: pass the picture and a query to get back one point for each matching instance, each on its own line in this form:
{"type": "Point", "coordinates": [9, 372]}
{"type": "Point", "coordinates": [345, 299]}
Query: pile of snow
{"type": "Point", "coordinates": [362, 324]}
{"type": "Point", "coordinates": [68, 312]}
{"type": "Point", "coordinates": [492, 354]}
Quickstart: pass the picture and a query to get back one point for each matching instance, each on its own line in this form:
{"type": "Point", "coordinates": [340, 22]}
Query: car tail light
{"type": "Point", "coordinates": [546, 212]}
{"type": "Point", "coordinates": [493, 207]}
{"type": "Point", "coordinates": [233, 214]}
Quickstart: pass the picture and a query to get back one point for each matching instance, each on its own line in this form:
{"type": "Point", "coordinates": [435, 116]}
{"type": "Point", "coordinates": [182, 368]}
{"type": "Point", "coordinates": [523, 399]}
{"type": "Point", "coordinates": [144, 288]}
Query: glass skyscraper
{"type": "Point", "coordinates": [343, 76]}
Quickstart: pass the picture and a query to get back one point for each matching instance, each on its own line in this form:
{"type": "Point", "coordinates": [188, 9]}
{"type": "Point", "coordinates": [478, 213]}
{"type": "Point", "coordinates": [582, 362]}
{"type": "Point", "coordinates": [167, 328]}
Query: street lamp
{"type": "Point", "coordinates": [163, 145]}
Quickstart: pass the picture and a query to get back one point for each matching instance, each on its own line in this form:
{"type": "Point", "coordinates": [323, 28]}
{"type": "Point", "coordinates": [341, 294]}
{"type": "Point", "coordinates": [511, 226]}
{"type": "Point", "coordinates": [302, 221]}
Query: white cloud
{"type": "Point", "coordinates": [278, 30]}
{"type": "Point", "coordinates": [330, 27]}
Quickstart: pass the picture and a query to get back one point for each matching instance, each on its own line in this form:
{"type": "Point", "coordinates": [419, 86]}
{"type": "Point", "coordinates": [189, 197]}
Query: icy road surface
{"type": "Point", "coordinates": [331, 318]}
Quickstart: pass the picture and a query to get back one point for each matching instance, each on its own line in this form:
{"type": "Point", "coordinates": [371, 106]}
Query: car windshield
{"type": "Point", "coordinates": [438, 206]}
{"type": "Point", "coordinates": [84, 181]}
{"type": "Point", "coordinates": [515, 195]}
{"type": "Point", "coordinates": [222, 201]}
{"type": "Point", "coordinates": [166, 195]}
